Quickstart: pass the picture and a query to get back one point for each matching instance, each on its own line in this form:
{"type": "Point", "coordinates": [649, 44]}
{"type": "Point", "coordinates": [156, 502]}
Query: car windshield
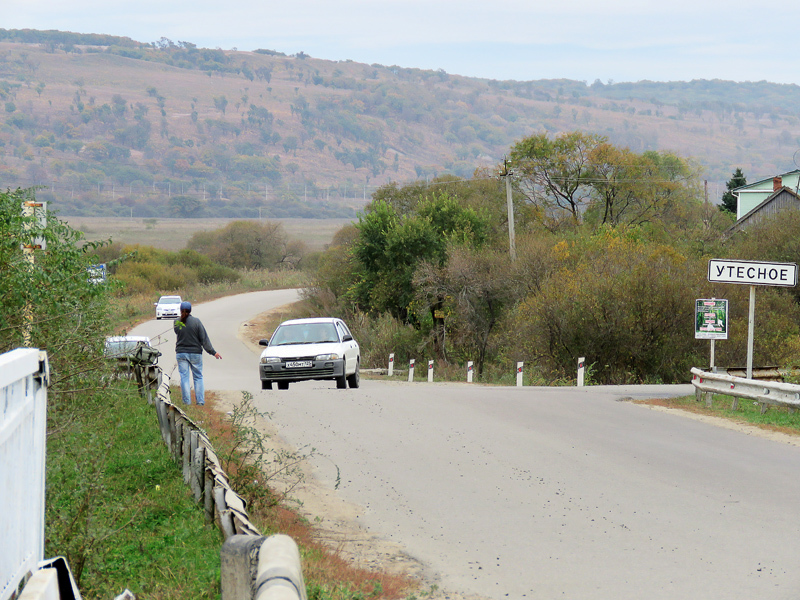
{"type": "Point", "coordinates": [304, 333]}
{"type": "Point", "coordinates": [171, 300]}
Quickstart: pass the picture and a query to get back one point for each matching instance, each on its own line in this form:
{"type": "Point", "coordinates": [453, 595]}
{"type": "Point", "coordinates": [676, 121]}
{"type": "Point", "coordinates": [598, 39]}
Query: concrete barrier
{"type": "Point", "coordinates": [261, 568]}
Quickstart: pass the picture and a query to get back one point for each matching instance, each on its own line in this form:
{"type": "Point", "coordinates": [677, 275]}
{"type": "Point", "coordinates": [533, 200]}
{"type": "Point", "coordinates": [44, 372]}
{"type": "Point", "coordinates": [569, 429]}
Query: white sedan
{"type": "Point", "coordinates": [168, 307]}
{"type": "Point", "coordinates": [302, 349]}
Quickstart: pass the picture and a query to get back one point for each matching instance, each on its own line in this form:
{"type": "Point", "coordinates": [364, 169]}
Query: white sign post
{"type": "Point", "coordinates": [411, 370]}
{"type": "Point", "coordinates": [581, 363]}
{"type": "Point", "coordinates": [470, 370]}
{"type": "Point", "coordinates": [430, 371]}
{"type": "Point", "coordinates": [391, 364]}
{"type": "Point", "coordinates": [519, 374]}
{"type": "Point", "coordinates": [752, 273]}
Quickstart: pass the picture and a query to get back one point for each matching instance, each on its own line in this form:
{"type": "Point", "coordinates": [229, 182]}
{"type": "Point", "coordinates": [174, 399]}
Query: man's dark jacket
{"type": "Point", "coordinates": [192, 337]}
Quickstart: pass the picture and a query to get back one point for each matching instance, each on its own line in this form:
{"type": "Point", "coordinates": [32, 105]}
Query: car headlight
{"type": "Point", "coordinates": [269, 359]}
{"type": "Point", "coordinates": [333, 356]}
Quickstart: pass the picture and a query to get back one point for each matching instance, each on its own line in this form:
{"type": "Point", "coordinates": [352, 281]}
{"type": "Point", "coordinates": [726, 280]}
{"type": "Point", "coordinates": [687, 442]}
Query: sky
{"type": "Point", "coordinates": [585, 40]}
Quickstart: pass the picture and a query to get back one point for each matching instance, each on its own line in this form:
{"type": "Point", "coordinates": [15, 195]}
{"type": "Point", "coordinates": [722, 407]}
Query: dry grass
{"type": "Point", "coordinates": [173, 234]}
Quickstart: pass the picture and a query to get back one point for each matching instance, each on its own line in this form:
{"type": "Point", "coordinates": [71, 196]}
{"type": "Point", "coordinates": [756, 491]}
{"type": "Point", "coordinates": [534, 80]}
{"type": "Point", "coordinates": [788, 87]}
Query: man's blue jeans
{"type": "Point", "coordinates": [191, 362]}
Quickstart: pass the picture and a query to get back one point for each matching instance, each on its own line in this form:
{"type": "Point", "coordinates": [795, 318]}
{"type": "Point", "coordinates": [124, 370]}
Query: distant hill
{"type": "Point", "coordinates": [116, 127]}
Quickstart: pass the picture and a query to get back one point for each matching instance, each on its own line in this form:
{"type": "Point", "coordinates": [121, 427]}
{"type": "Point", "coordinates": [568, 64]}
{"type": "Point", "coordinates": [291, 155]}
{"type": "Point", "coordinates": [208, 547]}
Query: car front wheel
{"type": "Point", "coordinates": [266, 385]}
{"type": "Point", "coordinates": [283, 385]}
{"type": "Point", "coordinates": [355, 379]}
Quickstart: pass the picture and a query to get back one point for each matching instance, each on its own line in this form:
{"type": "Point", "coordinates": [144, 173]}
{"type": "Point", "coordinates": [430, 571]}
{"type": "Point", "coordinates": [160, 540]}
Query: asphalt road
{"type": "Point", "coordinates": [540, 492]}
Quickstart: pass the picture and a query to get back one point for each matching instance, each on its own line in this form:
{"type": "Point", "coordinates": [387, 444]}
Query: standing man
{"type": "Point", "coordinates": [192, 340]}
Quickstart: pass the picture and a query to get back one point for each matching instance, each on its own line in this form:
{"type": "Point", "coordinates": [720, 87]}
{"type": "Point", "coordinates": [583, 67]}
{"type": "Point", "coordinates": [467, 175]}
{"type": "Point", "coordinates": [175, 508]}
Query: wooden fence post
{"type": "Point", "coordinates": [209, 496]}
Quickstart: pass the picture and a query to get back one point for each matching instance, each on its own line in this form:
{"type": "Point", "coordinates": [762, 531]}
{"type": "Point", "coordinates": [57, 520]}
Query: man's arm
{"type": "Point", "coordinates": [207, 342]}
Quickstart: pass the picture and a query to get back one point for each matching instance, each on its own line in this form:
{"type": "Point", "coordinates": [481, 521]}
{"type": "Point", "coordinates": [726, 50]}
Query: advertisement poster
{"type": "Point", "coordinates": [711, 319]}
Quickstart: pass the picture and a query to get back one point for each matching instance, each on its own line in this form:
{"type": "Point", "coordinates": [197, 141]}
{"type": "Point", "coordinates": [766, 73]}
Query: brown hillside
{"type": "Point", "coordinates": [183, 131]}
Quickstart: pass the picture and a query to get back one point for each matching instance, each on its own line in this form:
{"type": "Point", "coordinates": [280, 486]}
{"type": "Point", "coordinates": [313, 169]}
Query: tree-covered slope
{"type": "Point", "coordinates": [118, 127]}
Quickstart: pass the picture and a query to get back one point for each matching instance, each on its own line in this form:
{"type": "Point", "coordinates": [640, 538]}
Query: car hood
{"type": "Point", "coordinates": [293, 350]}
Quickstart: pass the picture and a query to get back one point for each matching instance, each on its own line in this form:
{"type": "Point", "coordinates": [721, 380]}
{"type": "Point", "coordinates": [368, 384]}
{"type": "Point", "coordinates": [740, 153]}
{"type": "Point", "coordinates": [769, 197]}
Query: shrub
{"type": "Point", "coordinates": [625, 305]}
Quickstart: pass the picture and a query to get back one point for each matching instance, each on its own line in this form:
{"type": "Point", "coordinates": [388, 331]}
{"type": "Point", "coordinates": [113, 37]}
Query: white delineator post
{"type": "Point", "coordinates": [581, 363]}
{"type": "Point", "coordinates": [411, 370]}
{"type": "Point", "coordinates": [470, 370]}
{"type": "Point", "coordinates": [391, 364]}
{"type": "Point", "coordinates": [519, 374]}
{"type": "Point", "coordinates": [430, 371]}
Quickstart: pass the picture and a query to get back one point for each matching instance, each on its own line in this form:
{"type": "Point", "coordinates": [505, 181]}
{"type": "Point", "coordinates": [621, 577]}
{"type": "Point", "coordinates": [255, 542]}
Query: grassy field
{"type": "Point", "coordinates": [172, 234]}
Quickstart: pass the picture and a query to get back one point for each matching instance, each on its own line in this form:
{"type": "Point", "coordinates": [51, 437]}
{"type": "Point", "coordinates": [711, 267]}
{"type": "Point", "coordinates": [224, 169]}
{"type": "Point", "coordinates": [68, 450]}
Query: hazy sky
{"type": "Point", "coordinates": [620, 40]}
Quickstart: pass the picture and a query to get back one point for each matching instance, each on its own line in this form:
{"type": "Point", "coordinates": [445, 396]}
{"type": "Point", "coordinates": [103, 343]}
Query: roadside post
{"type": "Point", "coordinates": [430, 371]}
{"type": "Point", "coordinates": [519, 374]}
{"type": "Point", "coordinates": [391, 364]}
{"type": "Point", "coordinates": [37, 211]}
{"type": "Point", "coordinates": [470, 370]}
{"type": "Point", "coordinates": [752, 273]}
{"type": "Point", "coordinates": [411, 370]}
{"type": "Point", "coordinates": [581, 362]}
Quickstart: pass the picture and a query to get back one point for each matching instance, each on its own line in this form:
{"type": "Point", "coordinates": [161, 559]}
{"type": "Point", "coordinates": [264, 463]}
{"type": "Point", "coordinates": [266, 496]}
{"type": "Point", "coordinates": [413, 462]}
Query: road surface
{"type": "Point", "coordinates": [541, 492]}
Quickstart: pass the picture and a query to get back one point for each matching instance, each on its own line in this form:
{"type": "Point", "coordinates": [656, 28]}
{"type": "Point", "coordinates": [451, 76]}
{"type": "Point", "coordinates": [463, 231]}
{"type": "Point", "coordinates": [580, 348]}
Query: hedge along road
{"type": "Point", "coordinates": [541, 492]}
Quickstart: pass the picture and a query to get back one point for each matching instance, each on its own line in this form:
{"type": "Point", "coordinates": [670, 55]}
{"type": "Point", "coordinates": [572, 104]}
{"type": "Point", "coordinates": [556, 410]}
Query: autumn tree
{"type": "Point", "coordinates": [244, 245]}
{"type": "Point", "coordinates": [478, 287]}
{"type": "Point", "coordinates": [553, 173]}
{"type": "Point", "coordinates": [636, 188]}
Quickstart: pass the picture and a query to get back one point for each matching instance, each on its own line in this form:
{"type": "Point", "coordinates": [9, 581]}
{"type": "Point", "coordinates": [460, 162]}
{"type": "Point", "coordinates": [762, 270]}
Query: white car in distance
{"type": "Point", "coordinates": [168, 307]}
{"type": "Point", "coordinates": [304, 349]}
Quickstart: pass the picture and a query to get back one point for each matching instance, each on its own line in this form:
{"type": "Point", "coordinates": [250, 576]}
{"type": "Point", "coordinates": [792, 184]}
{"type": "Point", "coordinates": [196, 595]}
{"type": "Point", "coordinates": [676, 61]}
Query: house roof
{"type": "Point", "coordinates": [765, 180]}
{"type": "Point", "coordinates": [781, 199]}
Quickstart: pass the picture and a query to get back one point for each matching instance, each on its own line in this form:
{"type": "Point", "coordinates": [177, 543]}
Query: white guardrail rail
{"type": "Point", "coordinates": [23, 414]}
{"type": "Point", "coordinates": [766, 393]}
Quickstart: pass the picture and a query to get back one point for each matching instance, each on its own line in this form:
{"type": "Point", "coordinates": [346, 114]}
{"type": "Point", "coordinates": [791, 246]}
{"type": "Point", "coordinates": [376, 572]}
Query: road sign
{"type": "Point", "coordinates": [97, 273]}
{"type": "Point", "coordinates": [711, 319]}
{"type": "Point", "coordinates": [751, 272]}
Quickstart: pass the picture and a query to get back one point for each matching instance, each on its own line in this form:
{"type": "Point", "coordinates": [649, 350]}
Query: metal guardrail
{"type": "Point", "coordinates": [766, 393]}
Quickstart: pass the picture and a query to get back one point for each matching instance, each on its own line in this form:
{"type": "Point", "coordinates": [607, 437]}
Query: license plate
{"type": "Point", "coordinates": [299, 364]}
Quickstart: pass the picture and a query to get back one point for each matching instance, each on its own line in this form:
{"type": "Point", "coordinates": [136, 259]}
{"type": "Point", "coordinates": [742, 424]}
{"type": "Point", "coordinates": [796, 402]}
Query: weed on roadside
{"type": "Point", "coordinates": [775, 418]}
{"type": "Point", "coordinates": [117, 507]}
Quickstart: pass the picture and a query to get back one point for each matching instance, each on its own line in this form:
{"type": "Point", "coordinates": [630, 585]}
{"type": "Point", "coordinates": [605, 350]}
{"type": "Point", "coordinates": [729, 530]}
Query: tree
{"type": "Point", "coordinates": [220, 103]}
{"type": "Point", "coordinates": [390, 246]}
{"type": "Point", "coordinates": [186, 207]}
{"type": "Point", "coordinates": [637, 188]}
{"type": "Point", "coordinates": [244, 245]}
{"type": "Point", "coordinates": [477, 286]}
{"type": "Point", "coordinates": [729, 201]}
{"type": "Point", "coordinates": [52, 297]}
{"type": "Point", "coordinates": [553, 173]}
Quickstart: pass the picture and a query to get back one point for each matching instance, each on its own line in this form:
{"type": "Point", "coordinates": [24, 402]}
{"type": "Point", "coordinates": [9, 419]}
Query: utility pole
{"type": "Point", "coordinates": [506, 174]}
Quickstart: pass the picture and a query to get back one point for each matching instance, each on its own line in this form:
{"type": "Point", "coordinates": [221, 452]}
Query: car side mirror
{"type": "Point", "coordinates": [347, 338]}
{"type": "Point", "coordinates": [155, 303]}
{"type": "Point", "coordinates": [263, 342]}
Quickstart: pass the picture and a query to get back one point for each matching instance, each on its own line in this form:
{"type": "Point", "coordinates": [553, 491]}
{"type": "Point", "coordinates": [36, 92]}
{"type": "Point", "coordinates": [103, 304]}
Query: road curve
{"type": "Point", "coordinates": [542, 492]}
